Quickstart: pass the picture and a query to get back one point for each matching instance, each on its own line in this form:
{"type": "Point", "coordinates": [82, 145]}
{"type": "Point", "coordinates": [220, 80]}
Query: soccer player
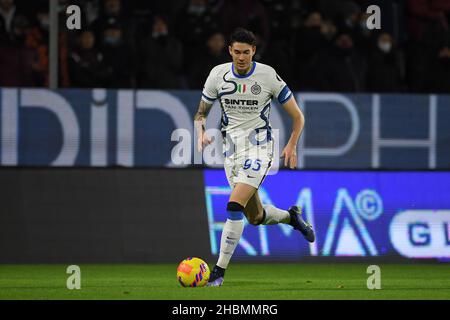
{"type": "Point", "coordinates": [245, 89]}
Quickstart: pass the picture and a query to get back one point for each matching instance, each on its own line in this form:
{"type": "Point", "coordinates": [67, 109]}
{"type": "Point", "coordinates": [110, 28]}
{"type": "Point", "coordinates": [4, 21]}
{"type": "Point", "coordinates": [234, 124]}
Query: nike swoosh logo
{"type": "Point", "coordinates": [250, 177]}
{"type": "Point", "coordinates": [231, 238]}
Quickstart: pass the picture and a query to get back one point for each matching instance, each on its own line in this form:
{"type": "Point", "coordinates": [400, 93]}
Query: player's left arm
{"type": "Point", "coordinates": [290, 150]}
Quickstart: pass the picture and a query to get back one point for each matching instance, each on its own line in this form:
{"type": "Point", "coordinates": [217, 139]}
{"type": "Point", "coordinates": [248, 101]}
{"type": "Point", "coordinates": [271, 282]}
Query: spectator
{"type": "Point", "coordinates": [38, 40]}
{"type": "Point", "coordinates": [361, 34]}
{"type": "Point", "coordinates": [214, 54]}
{"type": "Point", "coordinates": [311, 44]}
{"type": "Point", "coordinates": [86, 65]}
{"type": "Point", "coordinates": [340, 68]}
{"type": "Point", "coordinates": [17, 62]}
{"type": "Point", "coordinates": [427, 21]}
{"type": "Point", "coordinates": [112, 13]}
{"type": "Point", "coordinates": [308, 43]}
{"type": "Point", "coordinates": [193, 25]}
{"type": "Point", "coordinates": [438, 78]}
{"type": "Point", "coordinates": [344, 13]}
{"type": "Point", "coordinates": [281, 17]}
{"type": "Point", "coordinates": [426, 14]}
{"type": "Point", "coordinates": [250, 14]}
{"type": "Point", "coordinates": [385, 66]}
{"type": "Point", "coordinates": [118, 58]}
{"type": "Point", "coordinates": [162, 58]}
{"type": "Point", "coordinates": [8, 13]}
{"type": "Point", "coordinates": [279, 51]}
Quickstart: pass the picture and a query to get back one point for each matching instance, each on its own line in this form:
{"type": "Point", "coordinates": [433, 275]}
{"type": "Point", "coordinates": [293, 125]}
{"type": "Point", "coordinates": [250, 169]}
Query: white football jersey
{"type": "Point", "coordinates": [245, 100]}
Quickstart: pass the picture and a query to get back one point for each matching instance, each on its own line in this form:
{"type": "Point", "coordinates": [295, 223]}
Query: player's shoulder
{"type": "Point", "coordinates": [265, 71]}
{"type": "Point", "coordinates": [265, 68]}
{"type": "Point", "coordinates": [268, 76]}
{"type": "Point", "coordinates": [220, 69]}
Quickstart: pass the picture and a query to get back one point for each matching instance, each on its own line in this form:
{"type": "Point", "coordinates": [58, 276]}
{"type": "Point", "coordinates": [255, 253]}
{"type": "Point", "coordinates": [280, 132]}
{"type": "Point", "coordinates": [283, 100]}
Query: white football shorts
{"type": "Point", "coordinates": [250, 165]}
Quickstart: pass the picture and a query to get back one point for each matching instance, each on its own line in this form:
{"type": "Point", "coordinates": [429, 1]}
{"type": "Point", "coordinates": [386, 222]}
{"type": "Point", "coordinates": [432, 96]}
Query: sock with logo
{"type": "Point", "coordinates": [231, 233]}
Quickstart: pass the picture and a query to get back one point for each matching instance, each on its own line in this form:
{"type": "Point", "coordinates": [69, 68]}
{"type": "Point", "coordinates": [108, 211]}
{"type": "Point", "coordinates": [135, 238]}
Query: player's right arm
{"type": "Point", "coordinates": [200, 124]}
{"type": "Point", "coordinates": [209, 94]}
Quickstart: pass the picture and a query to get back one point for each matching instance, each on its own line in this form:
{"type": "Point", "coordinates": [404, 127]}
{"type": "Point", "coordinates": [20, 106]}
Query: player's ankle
{"type": "Point", "coordinates": [220, 268]}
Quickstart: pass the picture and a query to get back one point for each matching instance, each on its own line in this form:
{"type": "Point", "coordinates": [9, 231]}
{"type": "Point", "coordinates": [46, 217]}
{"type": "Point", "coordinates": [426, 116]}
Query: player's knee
{"type": "Point", "coordinates": [235, 211]}
{"type": "Point", "coordinates": [256, 220]}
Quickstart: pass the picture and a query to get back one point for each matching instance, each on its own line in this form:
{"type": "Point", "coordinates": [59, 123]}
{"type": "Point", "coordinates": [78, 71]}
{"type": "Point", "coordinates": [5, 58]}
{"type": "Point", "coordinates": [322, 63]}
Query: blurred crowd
{"type": "Point", "coordinates": [315, 45]}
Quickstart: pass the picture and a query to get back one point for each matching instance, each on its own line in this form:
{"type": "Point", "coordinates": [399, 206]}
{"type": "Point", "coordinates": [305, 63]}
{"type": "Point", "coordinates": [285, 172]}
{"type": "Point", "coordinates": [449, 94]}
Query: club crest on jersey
{"type": "Point", "coordinates": [256, 88]}
{"type": "Point", "coordinates": [241, 88]}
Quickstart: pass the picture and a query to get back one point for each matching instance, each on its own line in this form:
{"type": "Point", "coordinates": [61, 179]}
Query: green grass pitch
{"type": "Point", "coordinates": [267, 281]}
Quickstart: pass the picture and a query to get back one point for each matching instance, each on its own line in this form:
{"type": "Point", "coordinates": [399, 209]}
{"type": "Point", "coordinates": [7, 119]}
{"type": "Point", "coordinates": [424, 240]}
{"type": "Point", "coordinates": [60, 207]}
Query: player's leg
{"type": "Point", "coordinates": [267, 214]}
{"type": "Point", "coordinates": [234, 225]}
{"type": "Point", "coordinates": [258, 213]}
{"type": "Point", "coordinates": [232, 230]}
{"type": "Point", "coordinates": [254, 211]}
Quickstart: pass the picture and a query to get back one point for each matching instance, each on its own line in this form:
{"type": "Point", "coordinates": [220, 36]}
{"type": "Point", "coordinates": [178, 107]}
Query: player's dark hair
{"type": "Point", "coordinates": [244, 36]}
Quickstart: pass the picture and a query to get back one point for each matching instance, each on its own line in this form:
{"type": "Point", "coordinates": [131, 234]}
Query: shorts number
{"type": "Point", "coordinates": [256, 164]}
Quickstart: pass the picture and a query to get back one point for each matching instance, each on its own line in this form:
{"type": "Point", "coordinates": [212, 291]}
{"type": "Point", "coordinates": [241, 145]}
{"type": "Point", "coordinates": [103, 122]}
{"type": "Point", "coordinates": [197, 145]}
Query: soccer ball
{"type": "Point", "coordinates": [193, 272]}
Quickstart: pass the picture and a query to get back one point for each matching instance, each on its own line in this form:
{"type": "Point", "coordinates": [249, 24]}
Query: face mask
{"type": "Point", "coordinates": [385, 46]}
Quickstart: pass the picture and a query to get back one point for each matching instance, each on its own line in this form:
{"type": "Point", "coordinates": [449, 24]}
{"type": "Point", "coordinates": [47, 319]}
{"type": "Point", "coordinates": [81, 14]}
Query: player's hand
{"type": "Point", "coordinates": [289, 154]}
{"type": "Point", "coordinates": [203, 140]}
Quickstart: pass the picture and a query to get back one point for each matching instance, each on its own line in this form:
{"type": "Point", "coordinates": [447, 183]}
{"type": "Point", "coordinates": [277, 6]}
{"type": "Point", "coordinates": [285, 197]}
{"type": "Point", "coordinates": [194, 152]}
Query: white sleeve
{"type": "Point", "coordinates": [209, 93]}
{"type": "Point", "coordinates": [280, 90]}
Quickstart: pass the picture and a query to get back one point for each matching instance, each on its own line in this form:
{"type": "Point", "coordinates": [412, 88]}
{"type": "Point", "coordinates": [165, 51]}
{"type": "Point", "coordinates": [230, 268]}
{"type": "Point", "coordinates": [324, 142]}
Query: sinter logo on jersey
{"type": "Point", "coordinates": [241, 104]}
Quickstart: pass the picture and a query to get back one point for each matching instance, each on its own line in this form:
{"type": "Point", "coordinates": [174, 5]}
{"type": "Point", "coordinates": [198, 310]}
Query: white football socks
{"type": "Point", "coordinates": [275, 215]}
{"type": "Point", "coordinates": [231, 234]}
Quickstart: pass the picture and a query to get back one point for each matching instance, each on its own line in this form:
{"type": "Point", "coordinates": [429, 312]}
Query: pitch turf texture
{"type": "Point", "coordinates": [243, 281]}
